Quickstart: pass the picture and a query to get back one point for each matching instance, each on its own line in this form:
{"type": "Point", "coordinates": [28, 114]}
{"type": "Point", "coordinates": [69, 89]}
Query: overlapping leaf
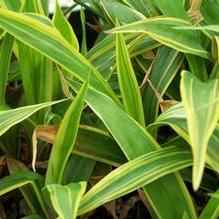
{"type": "Point", "coordinates": [128, 133]}
{"type": "Point", "coordinates": [202, 111]}
{"type": "Point", "coordinates": [127, 81]}
{"type": "Point", "coordinates": [165, 67]}
{"type": "Point", "coordinates": [62, 24]}
{"type": "Point", "coordinates": [65, 139]}
{"type": "Point", "coordinates": [175, 117]}
{"type": "Point", "coordinates": [10, 117]}
{"type": "Point", "coordinates": [20, 179]}
{"type": "Point", "coordinates": [48, 41]}
{"type": "Point", "coordinates": [66, 199]}
{"type": "Point", "coordinates": [211, 210]}
{"type": "Point", "coordinates": [5, 57]}
{"type": "Point", "coordinates": [163, 30]}
{"type": "Point", "coordinates": [135, 174]}
{"type": "Point", "coordinates": [113, 8]}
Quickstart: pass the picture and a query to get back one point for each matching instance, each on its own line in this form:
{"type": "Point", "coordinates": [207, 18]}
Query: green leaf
{"type": "Point", "coordinates": [103, 54]}
{"type": "Point", "coordinates": [5, 57]}
{"type": "Point", "coordinates": [214, 28]}
{"type": "Point", "coordinates": [146, 7]}
{"type": "Point", "coordinates": [172, 8]}
{"type": "Point", "coordinates": [163, 30]}
{"type": "Point", "coordinates": [34, 216]}
{"type": "Point", "coordinates": [135, 174]}
{"type": "Point", "coordinates": [93, 6]}
{"type": "Point", "coordinates": [84, 33]}
{"type": "Point", "coordinates": [113, 10]}
{"type": "Point", "coordinates": [12, 5]}
{"type": "Point", "coordinates": [129, 88]}
{"type": "Point", "coordinates": [175, 117]}
{"type": "Point", "coordinates": [81, 166]}
{"type": "Point", "coordinates": [164, 69]}
{"type": "Point", "coordinates": [65, 139]}
{"type": "Point", "coordinates": [64, 27]}
{"type": "Point", "coordinates": [211, 210]}
{"type": "Point", "coordinates": [202, 111]}
{"type": "Point", "coordinates": [197, 66]}
{"type": "Point", "coordinates": [19, 179]}
{"type": "Point", "coordinates": [98, 145]}
{"type": "Point", "coordinates": [66, 199]}
{"type": "Point", "coordinates": [210, 10]}
{"type": "Point", "coordinates": [10, 117]}
{"type": "Point", "coordinates": [127, 132]}
{"type": "Point", "coordinates": [27, 191]}
{"type": "Point", "coordinates": [215, 49]}
{"type": "Point", "coordinates": [37, 77]}
{"type": "Point", "coordinates": [48, 41]}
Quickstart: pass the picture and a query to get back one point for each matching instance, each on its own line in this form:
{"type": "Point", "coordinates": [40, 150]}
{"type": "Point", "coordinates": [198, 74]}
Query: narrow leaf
{"type": "Point", "coordinates": [135, 174]}
{"type": "Point", "coordinates": [65, 139]}
{"type": "Point", "coordinates": [172, 8]}
{"type": "Point", "coordinates": [202, 110]}
{"type": "Point", "coordinates": [5, 57]}
{"type": "Point", "coordinates": [127, 132]}
{"type": "Point", "coordinates": [175, 117]}
{"type": "Point", "coordinates": [211, 210]}
{"type": "Point", "coordinates": [163, 29]}
{"type": "Point", "coordinates": [146, 7]}
{"type": "Point", "coordinates": [127, 81]}
{"type": "Point", "coordinates": [48, 41]}
{"type": "Point", "coordinates": [19, 179]}
{"type": "Point", "coordinates": [91, 142]}
{"type": "Point", "coordinates": [64, 27]}
{"type": "Point", "coordinates": [164, 69]}
{"type": "Point", "coordinates": [10, 117]}
{"type": "Point", "coordinates": [66, 199]}
{"type": "Point", "coordinates": [113, 10]}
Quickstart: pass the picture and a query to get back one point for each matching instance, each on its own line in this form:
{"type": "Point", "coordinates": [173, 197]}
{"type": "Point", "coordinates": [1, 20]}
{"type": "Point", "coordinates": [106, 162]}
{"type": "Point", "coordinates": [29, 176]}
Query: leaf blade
{"type": "Point", "coordinates": [127, 81]}
{"type": "Point", "coordinates": [201, 105]}
{"type": "Point", "coordinates": [65, 138]}
{"type": "Point", "coordinates": [133, 175]}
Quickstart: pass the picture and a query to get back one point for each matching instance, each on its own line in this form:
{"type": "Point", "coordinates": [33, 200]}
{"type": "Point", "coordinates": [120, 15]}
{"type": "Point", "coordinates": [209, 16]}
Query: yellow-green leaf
{"type": "Point", "coordinates": [201, 102]}
{"type": "Point", "coordinates": [10, 117]}
{"type": "Point", "coordinates": [65, 139]}
{"type": "Point", "coordinates": [129, 88]}
{"type": "Point", "coordinates": [135, 174]}
{"type": "Point", "coordinates": [66, 199]}
{"type": "Point", "coordinates": [48, 41]}
{"type": "Point", "coordinates": [64, 27]}
{"type": "Point", "coordinates": [163, 29]}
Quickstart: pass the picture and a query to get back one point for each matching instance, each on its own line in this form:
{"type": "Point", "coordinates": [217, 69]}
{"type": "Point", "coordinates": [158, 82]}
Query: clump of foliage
{"type": "Point", "coordinates": [138, 111]}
